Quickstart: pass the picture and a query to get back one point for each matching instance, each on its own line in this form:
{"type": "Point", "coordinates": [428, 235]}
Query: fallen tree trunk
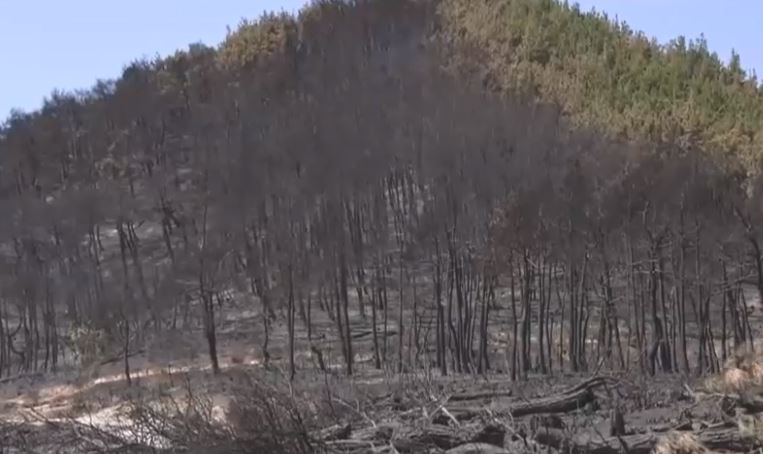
{"type": "Point", "coordinates": [441, 437]}
{"type": "Point", "coordinates": [479, 395]}
{"type": "Point", "coordinates": [588, 443]}
{"type": "Point", "coordinates": [572, 399]}
{"type": "Point", "coordinates": [352, 446]}
{"type": "Point", "coordinates": [568, 400]}
{"type": "Point", "coordinates": [477, 448]}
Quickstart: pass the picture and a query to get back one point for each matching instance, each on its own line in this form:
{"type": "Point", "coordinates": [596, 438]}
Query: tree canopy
{"type": "Point", "coordinates": [608, 76]}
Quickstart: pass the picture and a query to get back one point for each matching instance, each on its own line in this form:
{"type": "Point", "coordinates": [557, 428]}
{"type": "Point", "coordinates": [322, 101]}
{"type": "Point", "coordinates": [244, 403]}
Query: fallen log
{"type": "Point", "coordinates": [429, 436]}
{"type": "Point", "coordinates": [479, 395]}
{"type": "Point", "coordinates": [568, 400]}
{"type": "Point", "coordinates": [561, 403]}
{"type": "Point", "coordinates": [589, 443]}
{"type": "Point", "coordinates": [441, 437]}
{"type": "Point", "coordinates": [381, 433]}
{"type": "Point", "coordinates": [477, 448]}
{"type": "Point", "coordinates": [351, 446]}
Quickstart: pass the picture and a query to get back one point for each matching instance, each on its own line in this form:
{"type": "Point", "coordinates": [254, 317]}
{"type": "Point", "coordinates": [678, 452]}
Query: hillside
{"type": "Point", "coordinates": [610, 77]}
{"type": "Point", "coordinates": [355, 214]}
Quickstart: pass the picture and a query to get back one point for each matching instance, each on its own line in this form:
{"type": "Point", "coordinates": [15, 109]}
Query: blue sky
{"type": "Point", "coordinates": [47, 44]}
{"type": "Point", "coordinates": [727, 25]}
{"type": "Point", "coordinates": [68, 44]}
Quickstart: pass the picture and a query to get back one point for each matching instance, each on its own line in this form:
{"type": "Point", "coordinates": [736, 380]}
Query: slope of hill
{"type": "Point", "coordinates": [608, 76]}
{"type": "Point", "coordinates": [403, 192]}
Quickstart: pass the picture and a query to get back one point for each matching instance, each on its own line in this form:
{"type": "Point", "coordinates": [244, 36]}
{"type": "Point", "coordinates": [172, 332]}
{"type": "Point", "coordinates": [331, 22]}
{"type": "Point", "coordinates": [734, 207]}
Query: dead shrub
{"type": "Point", "coordinates": [260, 418]}
{"type": "Point", "coordinates": [266, 418]}
{"type": "Point", "coordinates": [164, 420]}
{"type": "Point", "coordinates": [679, 443]}
{"type": "Point", "coordinates": [742, 373]}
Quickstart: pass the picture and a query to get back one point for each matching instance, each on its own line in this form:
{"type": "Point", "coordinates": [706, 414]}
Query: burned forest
{"type": "Point", "coordinates": [390, 226]}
